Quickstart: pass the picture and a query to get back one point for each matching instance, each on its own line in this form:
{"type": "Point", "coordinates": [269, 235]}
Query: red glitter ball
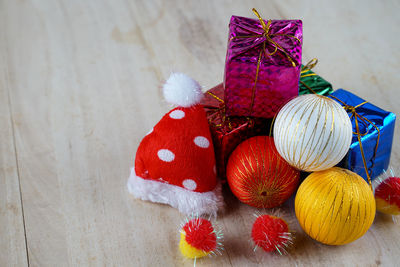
{"type": "Point", "coordinates": [200, 234]}
{"type": "Point", "coordinates": [258, 175]}
{"type": "Point", "coordinates": [270, 233]}
{"type": "Point", "coordinates": [389, 190]}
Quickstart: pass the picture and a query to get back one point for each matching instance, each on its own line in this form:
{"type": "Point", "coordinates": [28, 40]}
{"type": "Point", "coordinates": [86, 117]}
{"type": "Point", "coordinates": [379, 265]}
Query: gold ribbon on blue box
{"type": "Point", "coordinates": [374, 127]}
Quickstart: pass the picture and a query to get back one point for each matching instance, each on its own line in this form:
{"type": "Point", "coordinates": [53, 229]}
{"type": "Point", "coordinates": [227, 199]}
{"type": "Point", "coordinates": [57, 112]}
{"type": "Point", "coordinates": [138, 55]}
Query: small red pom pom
{"type": "Point", "coordinates": [199, 238]}
{"type": "Point", "coordinates": [271, 234]}
{"type": "Point", "coordinates": [200, 234]}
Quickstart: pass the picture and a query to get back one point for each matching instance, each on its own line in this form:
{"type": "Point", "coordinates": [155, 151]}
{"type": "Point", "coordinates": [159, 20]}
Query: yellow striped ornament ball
{"type": "Point", "coordinates": [312, 132]}
{"type": "Point", "coordinates": [335, 206]}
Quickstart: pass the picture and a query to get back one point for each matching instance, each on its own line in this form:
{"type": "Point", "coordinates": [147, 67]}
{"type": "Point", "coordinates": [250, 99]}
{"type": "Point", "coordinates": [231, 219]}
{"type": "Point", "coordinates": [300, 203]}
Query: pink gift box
{"type": "Point", "coordinates": [276, 51]}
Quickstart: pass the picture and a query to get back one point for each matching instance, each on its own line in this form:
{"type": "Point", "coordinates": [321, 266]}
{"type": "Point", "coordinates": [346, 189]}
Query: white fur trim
{"type": "Point", "coordinates": [185, 201]}
{"type": "Point", "coordinates": [182, 90]}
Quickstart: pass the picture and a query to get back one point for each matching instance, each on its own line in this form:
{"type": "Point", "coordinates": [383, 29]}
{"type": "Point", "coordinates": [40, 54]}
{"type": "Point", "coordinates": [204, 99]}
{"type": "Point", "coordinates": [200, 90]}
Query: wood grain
{"type": "Point", "coordinates": [84, 81]}
{"type": "Point", "coordinates": [12, 232]}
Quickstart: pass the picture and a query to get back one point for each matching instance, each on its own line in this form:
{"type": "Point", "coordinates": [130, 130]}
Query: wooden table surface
{"type": "Point", "coordinates": [80, 86]}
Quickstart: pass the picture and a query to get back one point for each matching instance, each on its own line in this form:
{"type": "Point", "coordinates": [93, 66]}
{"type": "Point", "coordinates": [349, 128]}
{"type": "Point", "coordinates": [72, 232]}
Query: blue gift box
{"type": "Point", "coordinates": [383, 120]}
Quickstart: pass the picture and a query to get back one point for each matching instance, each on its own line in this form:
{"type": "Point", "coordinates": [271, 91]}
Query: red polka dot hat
{"type": "Point", "coordinates": [175, 161]}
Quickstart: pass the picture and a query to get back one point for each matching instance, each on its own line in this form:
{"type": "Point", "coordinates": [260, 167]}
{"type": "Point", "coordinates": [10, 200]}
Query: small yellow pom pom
{"type": "Point", "coordinates": [384, 207]}
{"type": "Point", "coordinates": [188, 251]}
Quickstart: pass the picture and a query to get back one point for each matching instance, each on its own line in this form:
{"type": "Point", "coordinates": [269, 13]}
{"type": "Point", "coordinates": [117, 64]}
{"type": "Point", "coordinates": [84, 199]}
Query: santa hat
{"type": "Point", "coordinates": [175, 161]}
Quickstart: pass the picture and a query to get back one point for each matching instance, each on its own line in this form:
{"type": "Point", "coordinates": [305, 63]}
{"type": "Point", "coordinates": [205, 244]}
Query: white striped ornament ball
{"type": "Point", "coordinates": [312, 132]}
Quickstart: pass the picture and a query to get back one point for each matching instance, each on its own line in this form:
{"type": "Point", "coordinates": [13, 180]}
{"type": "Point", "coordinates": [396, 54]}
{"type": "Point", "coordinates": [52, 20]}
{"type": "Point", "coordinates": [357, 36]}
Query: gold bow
{"type": "Point", "coordinates": [268, 38]}
{"type": "Point", "coordinates": [362, 119]}
{"type": "Point", "coordinates": [224, 117]}
{"type": "Point", "coordinates": [306, 72]}
{"type": "Point", "coordinates": [308, 67]}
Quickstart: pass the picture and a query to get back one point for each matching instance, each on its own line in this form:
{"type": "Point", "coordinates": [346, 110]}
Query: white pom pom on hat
{"type": "Point", "coordinates": [182, 90]}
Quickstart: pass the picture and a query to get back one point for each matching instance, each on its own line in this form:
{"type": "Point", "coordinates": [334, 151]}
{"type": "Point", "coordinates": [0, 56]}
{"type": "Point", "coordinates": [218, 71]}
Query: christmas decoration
{"type": "Point", "coordinates": [373, 130]}
{"type": "Point", "coordinates": [387, 193]}
{"type": "Point", "coordinates": [228, 132]}
{"type": "Point", "coordinates": [262, 66]}
{"type": "Point", "coordinates": [312, 132]}
{"type": "Point", "coordinates": [175, 161]}
{"type": "Point", "coordinates": [311, 83]}
{"type": "Point", "coordinates": [335, 206]}
{"type": "Point", "coordinates": [271, 233]}
{"type": "Point", "coordinates": [199, 238]}
{"type": "Point", "coordinates": [258, 176]}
